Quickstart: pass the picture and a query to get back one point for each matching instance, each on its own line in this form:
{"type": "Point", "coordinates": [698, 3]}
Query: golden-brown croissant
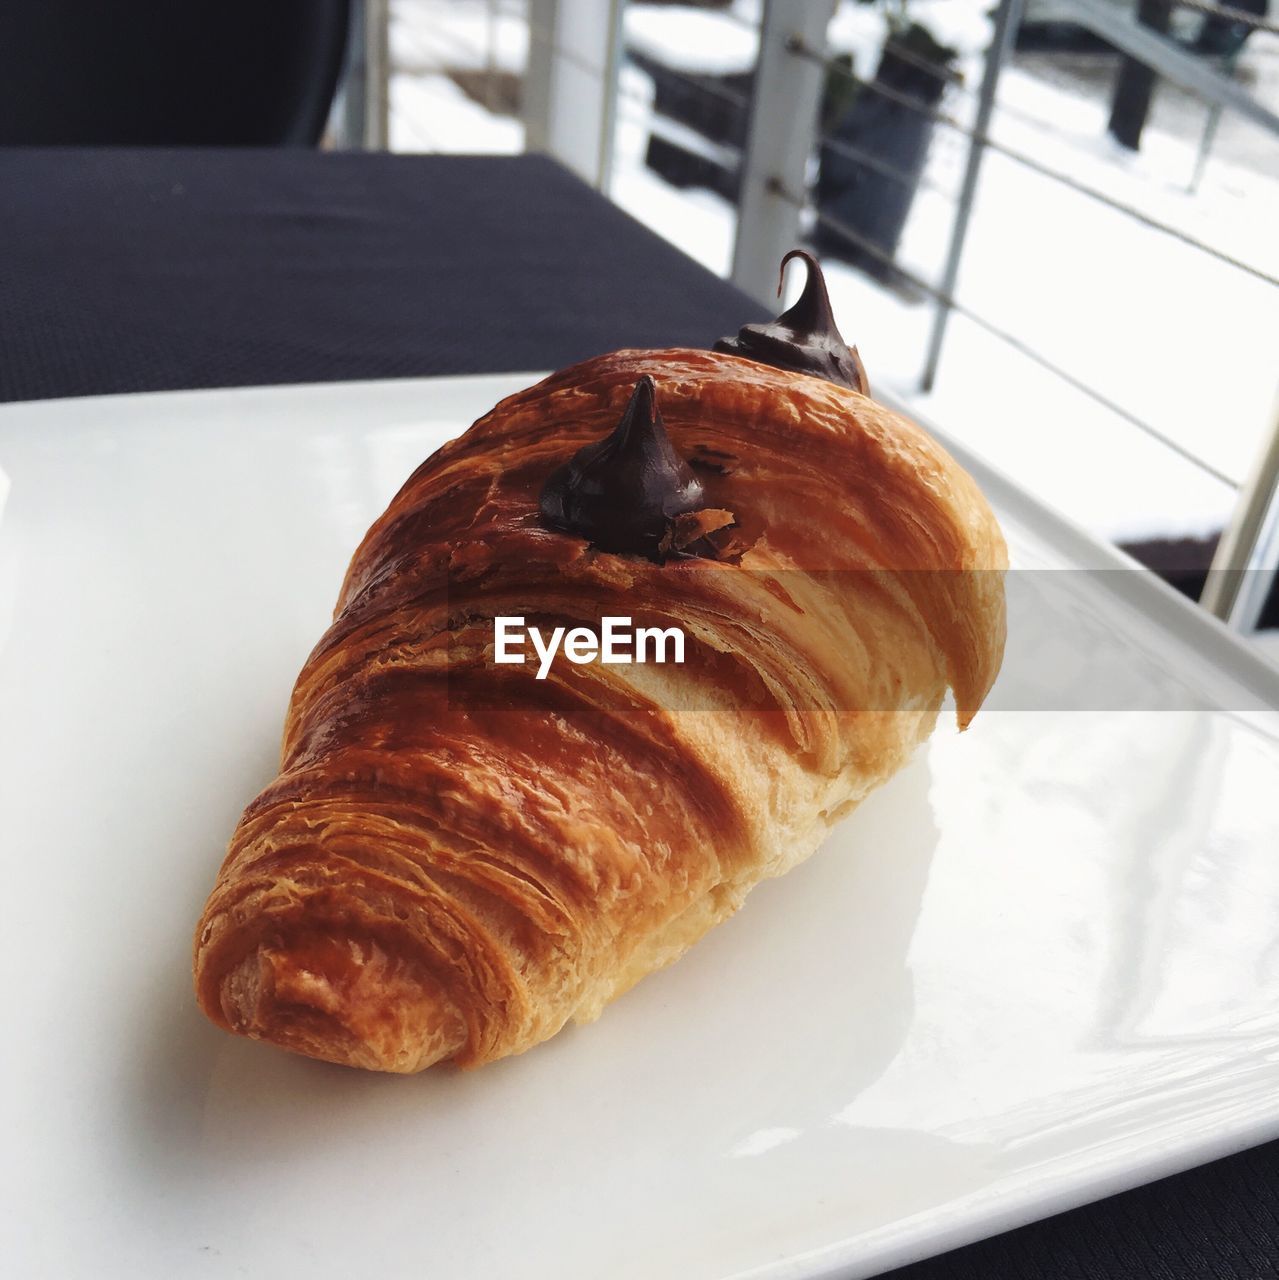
{"type": "Point", "coordinates": [457, 856]}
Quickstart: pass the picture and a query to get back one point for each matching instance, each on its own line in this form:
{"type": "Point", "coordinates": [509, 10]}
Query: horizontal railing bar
{"type": "Point", "coordinates": [1170, 61]}
{"type": "Point", "coordinates": [847, 149]}
{"type": "Point", "coordinates": [1029, 162]}
{"type": "Point", "coordinates": [1010, 339]}
{"type": "Point", "coordinates": [1230, 14]}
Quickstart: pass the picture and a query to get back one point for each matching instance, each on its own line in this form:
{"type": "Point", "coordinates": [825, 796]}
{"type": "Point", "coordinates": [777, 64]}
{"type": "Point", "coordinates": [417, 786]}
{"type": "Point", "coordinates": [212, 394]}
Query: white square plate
{"type": "Point", "coordinates": [1039, 965]}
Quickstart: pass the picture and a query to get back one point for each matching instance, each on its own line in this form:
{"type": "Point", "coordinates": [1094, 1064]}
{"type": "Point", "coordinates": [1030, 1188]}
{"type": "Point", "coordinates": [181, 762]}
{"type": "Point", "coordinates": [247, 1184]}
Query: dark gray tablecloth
{"type": "Point", "coordinates": [149, 271]}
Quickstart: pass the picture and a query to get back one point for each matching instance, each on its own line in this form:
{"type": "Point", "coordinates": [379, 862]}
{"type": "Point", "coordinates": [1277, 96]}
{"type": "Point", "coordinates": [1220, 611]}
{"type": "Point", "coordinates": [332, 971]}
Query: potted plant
{"type": "Point", "coordinates": [887, 121]}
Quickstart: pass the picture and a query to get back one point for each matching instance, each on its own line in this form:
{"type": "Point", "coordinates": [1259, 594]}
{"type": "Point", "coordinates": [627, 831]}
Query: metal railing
{"type": "Point", "coordinates": [1247, 557]}
{"type": "Point", "coordinates": [571, 88]}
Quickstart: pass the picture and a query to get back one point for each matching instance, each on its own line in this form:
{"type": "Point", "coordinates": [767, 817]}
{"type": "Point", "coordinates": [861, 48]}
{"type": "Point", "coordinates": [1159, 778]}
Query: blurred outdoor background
{"type": "Point", "coordinates": [1050, 226]}
{"type": "Point", "coordinates": [1067, 257]}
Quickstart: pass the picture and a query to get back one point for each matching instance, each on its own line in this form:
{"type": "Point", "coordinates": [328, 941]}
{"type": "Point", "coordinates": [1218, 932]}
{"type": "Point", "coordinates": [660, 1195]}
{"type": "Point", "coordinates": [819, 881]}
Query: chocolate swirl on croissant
{"type": "Point", "coordinates": [804, 338]}
{"type": "Point", "coordinates": [624, 493]}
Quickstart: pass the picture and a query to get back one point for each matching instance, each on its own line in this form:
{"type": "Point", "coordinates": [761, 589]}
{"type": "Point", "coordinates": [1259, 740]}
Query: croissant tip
{"type": "Point", "coordinates": [315, 1004]}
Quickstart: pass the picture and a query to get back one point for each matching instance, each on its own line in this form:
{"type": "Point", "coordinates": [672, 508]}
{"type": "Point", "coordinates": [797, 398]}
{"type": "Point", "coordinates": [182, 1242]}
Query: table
{"type": "Point", "coordinates": [153, 271]}
{"type": "Point", "coordinates": [136, 271]}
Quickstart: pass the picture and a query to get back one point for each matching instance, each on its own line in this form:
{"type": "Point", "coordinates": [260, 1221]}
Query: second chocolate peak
{"type": "Point", "coordinates": [621, 493]}
{"type": "Point", "coordinates": [803, 339]}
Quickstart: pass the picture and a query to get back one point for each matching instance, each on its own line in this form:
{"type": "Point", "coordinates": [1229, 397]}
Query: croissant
{"type": "Point", "coordinates": [459, 854]}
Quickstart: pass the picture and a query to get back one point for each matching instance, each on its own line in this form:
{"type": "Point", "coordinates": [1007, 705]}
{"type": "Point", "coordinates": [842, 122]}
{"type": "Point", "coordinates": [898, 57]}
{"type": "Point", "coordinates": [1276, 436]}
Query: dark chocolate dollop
{"type": "Point", "coordinates": [623, 492]}
{"type": "Point", "coordinates": [803, 339]}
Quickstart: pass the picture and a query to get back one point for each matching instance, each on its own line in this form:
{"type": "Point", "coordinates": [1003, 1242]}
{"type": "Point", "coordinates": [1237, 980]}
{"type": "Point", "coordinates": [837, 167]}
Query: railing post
{"type": "Point", "coordinates": [362, 121]}
{"type": "Point", "coordinates": [779, 140]}
{"type": "Point", "coordinates": [1244, 567]}
{"type": "Point", "coordinates": [1007, 20]}
{"type": "Point", "coordinates": [570, 86]}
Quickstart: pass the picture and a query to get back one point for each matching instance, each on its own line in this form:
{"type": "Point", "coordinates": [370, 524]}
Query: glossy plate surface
{"type": "Point", "coordinates": [1039, 965]}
